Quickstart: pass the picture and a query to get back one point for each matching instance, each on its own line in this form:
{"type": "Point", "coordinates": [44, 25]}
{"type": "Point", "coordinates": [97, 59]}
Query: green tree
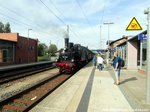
{"type": "Point", "coordinates": [7, 28]}
{"type": "Point", "coordinates": [1, 27]}
{"type": "Point", "coordinates": [42, 49]}
{"type": "Point", "coordinates": [52, 49]}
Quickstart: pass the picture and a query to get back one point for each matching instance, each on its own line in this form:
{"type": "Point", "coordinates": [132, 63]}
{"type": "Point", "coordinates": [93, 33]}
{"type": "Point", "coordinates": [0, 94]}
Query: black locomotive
{"type": "Point", "coordinates": [73, 57]}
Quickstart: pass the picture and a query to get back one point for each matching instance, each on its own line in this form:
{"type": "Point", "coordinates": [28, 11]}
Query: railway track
{"type": "Point", "coordinates": [5, 78]}
{"type": "Point", "coordinates": [27, 99]}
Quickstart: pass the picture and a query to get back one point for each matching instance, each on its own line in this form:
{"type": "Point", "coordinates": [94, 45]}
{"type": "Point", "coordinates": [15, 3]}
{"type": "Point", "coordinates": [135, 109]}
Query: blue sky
{"type": "Point", "coordinates": [84, 17]}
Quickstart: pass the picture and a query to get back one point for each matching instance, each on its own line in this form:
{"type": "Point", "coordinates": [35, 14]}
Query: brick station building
{"type": "Point", "coordinates": [16, 49]}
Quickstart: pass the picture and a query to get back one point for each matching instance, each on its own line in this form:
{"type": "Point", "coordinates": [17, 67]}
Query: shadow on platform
{"type": "Point", "coordinates": [129, 79]}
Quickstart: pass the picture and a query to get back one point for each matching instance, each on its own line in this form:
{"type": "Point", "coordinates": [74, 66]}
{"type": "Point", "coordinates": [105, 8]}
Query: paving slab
{"type": "Point", "coordinates": [133, 87]}
{"type": "Point", "coordinates": [90, 90]}
{"type": "Point", "coordinates": [106, 96]}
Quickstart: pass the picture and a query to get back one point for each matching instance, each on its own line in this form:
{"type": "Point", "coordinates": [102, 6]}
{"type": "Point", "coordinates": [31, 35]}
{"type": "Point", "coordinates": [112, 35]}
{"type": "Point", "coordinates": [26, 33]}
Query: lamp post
{"type": "Point", "coordinates": [148, 54]}
{"type": "Point", "coordinates": [28, 44]}
{"type": "Point", "coordinates": [28, 32]}
{"type": "Point", "coordinates": [108, 23]}
{"type": "Point", "coordinates": [100, 37]}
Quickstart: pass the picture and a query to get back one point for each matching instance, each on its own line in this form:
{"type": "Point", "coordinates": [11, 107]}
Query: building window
{"type": "Point", "coordinates": [5, 55]}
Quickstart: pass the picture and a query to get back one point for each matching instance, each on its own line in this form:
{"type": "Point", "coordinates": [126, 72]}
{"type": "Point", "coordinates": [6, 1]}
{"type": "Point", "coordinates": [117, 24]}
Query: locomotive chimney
{"type": "Point", "coordinates": [67, 38]}
{"type": "Point", "coordinates": [66, 42]}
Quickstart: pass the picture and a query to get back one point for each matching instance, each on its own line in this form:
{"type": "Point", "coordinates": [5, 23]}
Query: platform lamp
{"type": "Point", "coordinates": [28, 44]}
{"type": "Point", "coordinates": [28, 32]}
{"type": "Point", "coordinates": [108, 23]}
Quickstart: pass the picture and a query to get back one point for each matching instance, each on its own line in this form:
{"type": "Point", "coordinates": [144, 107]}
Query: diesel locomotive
{"type": "Point", "coordinates": [73, 57]}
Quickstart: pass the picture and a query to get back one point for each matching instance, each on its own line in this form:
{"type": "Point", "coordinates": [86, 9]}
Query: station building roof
{"type": "Point", "coordinates": [9, 36]}
{"type": "Point", "coordinates": [13, 37]}
{"type": "Point", "coordinates": [135, 38]}
{"type": "Point", "coordinates": [122, 40]}
{"type": "Point", "coordinates": [117, 42]}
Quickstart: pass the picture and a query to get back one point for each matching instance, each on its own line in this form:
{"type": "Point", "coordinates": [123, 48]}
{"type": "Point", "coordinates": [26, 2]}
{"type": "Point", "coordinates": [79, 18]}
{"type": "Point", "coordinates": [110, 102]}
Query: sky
{"type": "Point", "coordinates": [49, 19]}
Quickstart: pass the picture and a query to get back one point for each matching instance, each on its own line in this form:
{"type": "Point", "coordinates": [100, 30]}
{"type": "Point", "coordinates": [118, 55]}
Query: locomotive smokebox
{"type": "Point", "coordinates": [66, 42]}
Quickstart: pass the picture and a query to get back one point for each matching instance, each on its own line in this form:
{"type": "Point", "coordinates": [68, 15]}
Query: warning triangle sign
{"type": "Point", "coordinates": [134, 25]}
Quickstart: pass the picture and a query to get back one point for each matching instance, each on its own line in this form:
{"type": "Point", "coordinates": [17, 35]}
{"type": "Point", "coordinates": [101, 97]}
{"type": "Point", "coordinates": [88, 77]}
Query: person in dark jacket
{"type": "Point", "coordinates": [117, 67]}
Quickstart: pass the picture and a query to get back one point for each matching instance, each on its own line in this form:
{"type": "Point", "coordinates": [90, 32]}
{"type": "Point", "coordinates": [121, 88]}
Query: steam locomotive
{"type": "Point", "coordinates": [73, 57]}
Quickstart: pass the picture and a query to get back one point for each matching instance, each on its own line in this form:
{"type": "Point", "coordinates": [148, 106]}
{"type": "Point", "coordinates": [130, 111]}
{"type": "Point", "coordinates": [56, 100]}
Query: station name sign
{"type": "Point", "coordinates": [142, 37]}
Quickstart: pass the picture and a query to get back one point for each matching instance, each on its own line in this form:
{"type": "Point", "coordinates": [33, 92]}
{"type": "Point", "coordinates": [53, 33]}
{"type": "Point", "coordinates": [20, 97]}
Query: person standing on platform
{"type": "Point", "coordinates": [94, 60]}
{"type": "Point", "coordinates": [117, 67]}
{"type": "Point", "coordinates": [100, 61]}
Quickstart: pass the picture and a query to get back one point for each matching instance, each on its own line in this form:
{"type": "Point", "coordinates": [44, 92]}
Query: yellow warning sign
{"type": "Point", "coordinates": [134, 25]}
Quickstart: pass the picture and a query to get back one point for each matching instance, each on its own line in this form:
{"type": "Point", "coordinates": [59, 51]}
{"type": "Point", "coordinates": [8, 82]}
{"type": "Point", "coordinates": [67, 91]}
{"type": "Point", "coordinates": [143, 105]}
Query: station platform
{"type": "Point", "coordinates": [91, 90]}
{"type": "Point", "coordinates": [17, 66]}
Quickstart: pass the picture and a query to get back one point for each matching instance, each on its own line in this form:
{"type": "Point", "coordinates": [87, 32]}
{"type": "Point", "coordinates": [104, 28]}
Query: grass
{"type": "Point", "coordinates": [44, 58]}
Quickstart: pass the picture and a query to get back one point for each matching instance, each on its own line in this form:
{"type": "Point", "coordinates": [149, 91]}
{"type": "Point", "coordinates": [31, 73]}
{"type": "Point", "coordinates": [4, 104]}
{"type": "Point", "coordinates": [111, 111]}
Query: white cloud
{"type": "Point", "coordinates": [47, 27]}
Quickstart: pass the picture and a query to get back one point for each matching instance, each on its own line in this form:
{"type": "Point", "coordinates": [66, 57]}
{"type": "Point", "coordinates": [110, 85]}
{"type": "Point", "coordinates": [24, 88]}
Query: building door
{"type": "Point", "coordinates": [144, 55]}
{"type": "Point", "coordinates": [5, 55]}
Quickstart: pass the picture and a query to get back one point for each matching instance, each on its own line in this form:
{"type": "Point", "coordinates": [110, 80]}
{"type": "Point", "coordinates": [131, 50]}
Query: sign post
{"type": "Point", "coordinates": [148, 55]}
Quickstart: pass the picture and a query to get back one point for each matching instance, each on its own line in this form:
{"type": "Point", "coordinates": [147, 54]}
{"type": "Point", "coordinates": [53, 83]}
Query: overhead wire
{"type": "Point", "coordinates": [53, 13]}
{"type": "Point", "coordinates": [103, 12]}
{"type": "Point", "coordinates": [14, 19]}
{"type": "Point", "coordinates": [57, 16]}
{"type": "Point", "coordinates": [15, 13]}
{"type": "Point", "coordinates": [11, 20]}
{"type": "Point", "coordinates": [56, 8]}
{"type": "Point", "coordinates": [25, 24]}
{"type": "Point", "coordinates": [85, 16]}
{"type": "Point", "coordinates": [19, 15]}
{"type": "Point", "coordinates": [101, 22]}
{"type": "Point", "coordinates": [76, 34]}
{"type": "Point", "coordinates": [64, 16]}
